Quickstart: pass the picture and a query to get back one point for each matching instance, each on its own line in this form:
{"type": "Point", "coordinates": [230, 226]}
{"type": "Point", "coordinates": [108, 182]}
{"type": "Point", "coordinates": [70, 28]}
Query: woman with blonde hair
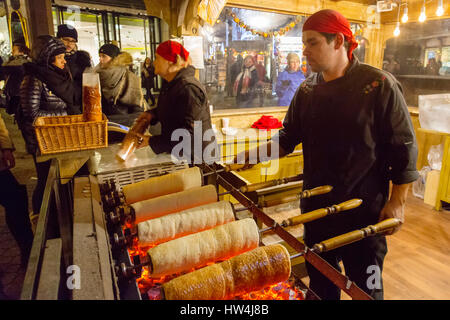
{"type": "Point", "coordinates": [182, 104]}
{"type": "Point", "coordinates": [289, 80]}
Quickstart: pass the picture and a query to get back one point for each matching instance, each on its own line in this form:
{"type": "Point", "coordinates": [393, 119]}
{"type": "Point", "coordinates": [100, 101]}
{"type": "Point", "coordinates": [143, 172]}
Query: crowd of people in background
{"type": "Point", "coordinates": [47, 81]}
{"type": "Point", "coordinates": [433, 67]}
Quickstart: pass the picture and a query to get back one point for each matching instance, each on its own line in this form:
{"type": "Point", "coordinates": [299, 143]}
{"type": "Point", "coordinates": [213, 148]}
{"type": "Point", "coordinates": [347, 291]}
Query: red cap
{"type": "Point", "coordinates": [330, 21]}
{"type": "Point", "coordinates": [170, 49]}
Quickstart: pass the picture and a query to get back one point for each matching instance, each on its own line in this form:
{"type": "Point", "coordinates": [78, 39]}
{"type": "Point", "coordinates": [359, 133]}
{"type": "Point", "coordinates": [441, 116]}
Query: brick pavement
{"type": "Point", "coordinates": [11, 274]}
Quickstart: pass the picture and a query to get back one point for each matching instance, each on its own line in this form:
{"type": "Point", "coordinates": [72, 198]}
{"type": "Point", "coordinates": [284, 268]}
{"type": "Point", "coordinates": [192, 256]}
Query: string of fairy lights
{"type": "Point", "coordinates": [356, 28]}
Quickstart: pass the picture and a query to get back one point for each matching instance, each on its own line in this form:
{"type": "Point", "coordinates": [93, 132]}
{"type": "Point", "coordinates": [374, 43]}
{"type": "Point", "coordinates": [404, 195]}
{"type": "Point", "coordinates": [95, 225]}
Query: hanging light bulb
{"type": "Point", "coordinates": [405, 14]}
{"type": "Point", "coordinates": [422, 16]}
{"type": "Point", "coordinates": [440, 9]}
{"type": "Point", "coordinates": [397, 30]}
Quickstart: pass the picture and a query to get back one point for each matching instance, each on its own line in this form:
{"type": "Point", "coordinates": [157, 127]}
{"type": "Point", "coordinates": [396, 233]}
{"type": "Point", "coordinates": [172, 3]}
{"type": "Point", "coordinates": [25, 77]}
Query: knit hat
{"type": "Point", "coordinates": [170, 49]}
{"type": "Point", "coordinates": [45, 47]}
{"type": "Point", "coordinates": [66, 30]}
{"type": "Point", "coordinates": [330, 21]}
{"type": "Point", "coordinates": [110, 50]}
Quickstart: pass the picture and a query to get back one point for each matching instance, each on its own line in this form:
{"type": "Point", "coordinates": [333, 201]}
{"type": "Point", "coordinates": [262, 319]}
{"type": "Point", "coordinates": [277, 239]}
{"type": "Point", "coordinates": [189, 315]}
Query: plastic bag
{"type": "Point", "coordinates": [435, 157]}
{"type": "Point", "coordinates": [418, 187]}
{"type": "Point", "coordinates": [92, 97]}
{"type": "Point", "coordinates": [434, 112]}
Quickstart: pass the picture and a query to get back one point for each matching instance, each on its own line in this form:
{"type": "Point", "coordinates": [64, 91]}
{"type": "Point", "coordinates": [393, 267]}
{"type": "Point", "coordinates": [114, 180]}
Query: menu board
{"type": "Point", "coordinates": [194, 44]}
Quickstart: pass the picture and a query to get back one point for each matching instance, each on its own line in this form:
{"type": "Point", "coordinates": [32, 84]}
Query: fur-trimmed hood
{"type": "Point", "coordinates": [124, 59]}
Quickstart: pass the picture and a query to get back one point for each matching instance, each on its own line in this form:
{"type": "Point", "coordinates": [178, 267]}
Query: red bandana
{"type": "Point", "coordinates": [170, 49]}
{"type": "Point", "coordinates": [330, 21]}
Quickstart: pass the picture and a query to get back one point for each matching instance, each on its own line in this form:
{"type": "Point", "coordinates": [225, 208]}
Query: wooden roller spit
{"type": "Point", "coordinates": [158, 186]}
{"type": "Point", "coordinates": [356, 235]}
{"type": "Point", "coordinates": [198, 249]}
{"type": "Point", "coordinates": [302, 195]}
{"type": "Point", "coordinates": [320, 213]}
{"type": "Point", "coordinates": [185, 222]}
{"type": "Point", "coordinates": [247, 272]}
{"type": "Point", "coordinates": [174, 202]}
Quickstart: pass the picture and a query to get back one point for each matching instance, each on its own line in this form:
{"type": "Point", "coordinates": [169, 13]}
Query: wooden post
{"type": "Point", "coordinates": [40, 18]}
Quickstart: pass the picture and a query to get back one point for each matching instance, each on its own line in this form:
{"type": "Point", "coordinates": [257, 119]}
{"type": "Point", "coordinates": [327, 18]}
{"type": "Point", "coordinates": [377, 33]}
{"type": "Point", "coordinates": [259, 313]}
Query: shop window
{"type": "Point", "coordinates": [5, 47]}
{"type": "Point", "coordinates": [268, 39]}
{"type": "Point", "coordinates": [133, 36]}
{"type": "Point", "coordinates": [89, 29]}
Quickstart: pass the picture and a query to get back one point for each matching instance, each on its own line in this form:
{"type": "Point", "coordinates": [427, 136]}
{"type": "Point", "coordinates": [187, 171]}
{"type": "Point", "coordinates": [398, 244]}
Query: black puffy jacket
{"type": "Point", "coordinates": [45, 90]}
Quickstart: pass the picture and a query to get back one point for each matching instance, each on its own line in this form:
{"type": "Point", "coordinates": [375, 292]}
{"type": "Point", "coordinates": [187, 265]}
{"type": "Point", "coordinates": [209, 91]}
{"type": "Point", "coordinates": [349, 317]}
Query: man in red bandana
{"type": "Point", "coordinates": [357, 136]}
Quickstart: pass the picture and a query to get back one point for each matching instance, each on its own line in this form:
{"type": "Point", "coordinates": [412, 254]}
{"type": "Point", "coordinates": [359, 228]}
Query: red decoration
{"type": "Point", "coordinates": [267, 122]}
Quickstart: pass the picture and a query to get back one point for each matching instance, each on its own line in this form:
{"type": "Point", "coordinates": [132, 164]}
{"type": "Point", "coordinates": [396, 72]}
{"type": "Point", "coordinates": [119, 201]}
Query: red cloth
{"type": "Point", "coordinates": [267, 122]}
{"type": "Point", "coordinates": [330, 21]}
{"type": "Point", "coordinates": [170, 49]}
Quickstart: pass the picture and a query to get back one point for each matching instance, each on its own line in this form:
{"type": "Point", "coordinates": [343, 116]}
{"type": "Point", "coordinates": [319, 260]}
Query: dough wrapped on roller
{"type": "Point", "coordinates": [197, 249]}
{"type": "Point", "coordinates": [247, 272]}
{"type": "Point", "coordinates": [158, 186]}
{"type": "Point", "coordinates": [185, 222]}
{"type": "Point", "coordinates": [174, 202]}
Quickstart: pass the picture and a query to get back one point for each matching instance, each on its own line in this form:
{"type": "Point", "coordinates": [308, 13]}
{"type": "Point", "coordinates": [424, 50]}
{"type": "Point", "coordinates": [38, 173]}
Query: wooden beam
{"type": "Point", "coordinates": [40, 18]}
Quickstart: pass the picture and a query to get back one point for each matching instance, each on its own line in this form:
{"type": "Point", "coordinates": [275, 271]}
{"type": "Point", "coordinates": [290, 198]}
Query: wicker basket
{"type": "Point", "coordinates": [70, 133]}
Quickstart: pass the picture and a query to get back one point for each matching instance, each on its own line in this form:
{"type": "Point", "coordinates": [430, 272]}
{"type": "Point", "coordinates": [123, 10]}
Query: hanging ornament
{"type": "Point", "coordinates": [266, 34]}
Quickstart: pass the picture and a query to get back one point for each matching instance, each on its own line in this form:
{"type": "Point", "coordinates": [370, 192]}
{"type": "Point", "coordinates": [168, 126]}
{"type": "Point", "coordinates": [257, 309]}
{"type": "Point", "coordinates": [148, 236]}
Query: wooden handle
{"type": "Point", "coordinates": [233, 167]}
{"type": "Point", "coordinates": [274, 202]}
{"type": "Point", "coordinates": [347, 205]}
{"type": "Point", "coordinates": [306, 217]}
{"type": "Point", "coordinates": [261, 185]}
{"type": "Point", "coordinates": [316, 191]}
{"type": "Point", "coordinates": [320, 213]}
{"type": "Point", "coordinates": [382, 226]}
{"type": "Point", "coordinates": [356, 235]}
{"type": "Point", "coordinates": [339, 241]}
{"type": "Point", "coordinates": [294, 197]}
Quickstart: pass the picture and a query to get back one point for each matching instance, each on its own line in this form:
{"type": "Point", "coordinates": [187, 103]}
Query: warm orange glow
{"type": "Point", "coordinates": [279, 291]}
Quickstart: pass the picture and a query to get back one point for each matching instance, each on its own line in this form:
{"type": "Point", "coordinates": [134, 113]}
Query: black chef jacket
{"type": "Point", "coordinates": [181, 102]}
{"type": "Point", "coordinates": [357, 135]}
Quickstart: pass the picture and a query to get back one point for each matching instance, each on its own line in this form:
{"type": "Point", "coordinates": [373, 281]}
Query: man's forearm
{"type": "Point", "coordinates": [399, 193]}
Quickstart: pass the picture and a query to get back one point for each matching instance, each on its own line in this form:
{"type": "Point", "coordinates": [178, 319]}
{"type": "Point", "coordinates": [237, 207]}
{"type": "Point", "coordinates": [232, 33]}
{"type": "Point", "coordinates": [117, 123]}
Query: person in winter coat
{"type": "Point", "coordinates": [77, 60]}
{"type": "Point", "coordinates": [46, 90]}
{"type": "Point", "coordinates": [289, 80]}
{"type": "Point", "coordinates": [12, 73]}
{"type": "Point", "coordinates": [182, 109]}
{"type": "Point", "coordinates": [14, 197]}
{"type": "Point", "coordinates": [147, 76]}
{"type": "Point", "coordinates": [245, 84]}
{"type": "Point", "coordinates": [122, 97]}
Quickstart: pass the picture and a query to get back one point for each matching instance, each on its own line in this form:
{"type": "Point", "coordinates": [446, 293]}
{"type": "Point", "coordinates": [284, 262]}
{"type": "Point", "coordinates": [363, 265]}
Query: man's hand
{"type": "Point", "coordinates": [8, 158]}
{"type": "Point", "coordinates": [395, 207]}
{"type": "Point", "coordinates": [144, 116]}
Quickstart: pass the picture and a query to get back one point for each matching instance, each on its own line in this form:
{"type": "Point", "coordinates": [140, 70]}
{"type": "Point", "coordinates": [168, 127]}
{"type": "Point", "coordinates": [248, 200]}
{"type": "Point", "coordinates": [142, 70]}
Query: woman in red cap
{"type": "Point", "coordinates": [182, 104]}
{"type": "Point", "coordinates": [357, 136]}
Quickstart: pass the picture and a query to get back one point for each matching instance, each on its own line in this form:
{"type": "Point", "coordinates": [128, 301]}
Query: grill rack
{"type": "Point", "coordinates": [231, 182]}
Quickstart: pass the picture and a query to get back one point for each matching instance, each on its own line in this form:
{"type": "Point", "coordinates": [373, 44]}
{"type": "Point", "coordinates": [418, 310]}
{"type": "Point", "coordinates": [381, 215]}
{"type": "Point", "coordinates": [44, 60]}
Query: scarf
{"type": "Point", "coordinates": [57, 80]}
